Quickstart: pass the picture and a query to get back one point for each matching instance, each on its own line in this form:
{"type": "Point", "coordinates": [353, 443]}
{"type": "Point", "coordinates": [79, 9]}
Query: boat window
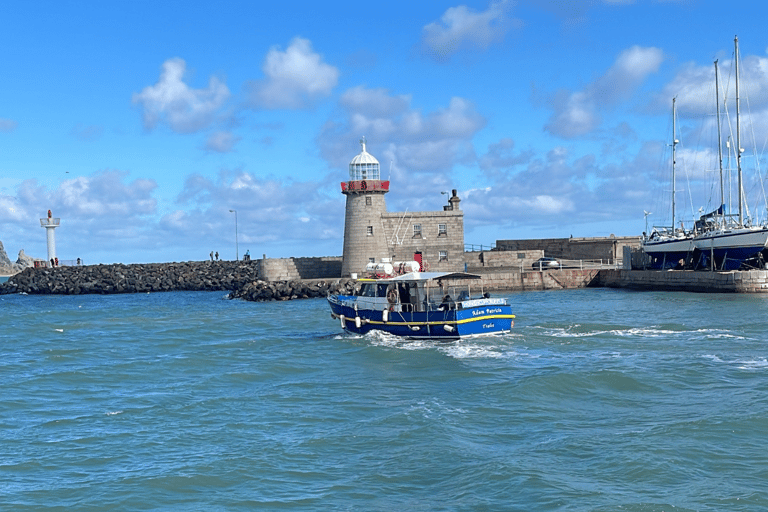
{"type": "Point", "coordinates": [381, 290]}
{"type": "Point", "coordinates": [368, 290]}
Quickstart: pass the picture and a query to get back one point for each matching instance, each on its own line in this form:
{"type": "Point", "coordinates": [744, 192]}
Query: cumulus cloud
{"type": "Point", "coordinates": [221, 142]}
{"type": "Point", "coordinates": [578, 113]}
{"type": "Point", "coordinates": [418, 142]}
{"type": "Point", "coordinates": [694, 86]}
{"type": "Point", "coordinates": [103, 212]}
{"type": "Point", "coordinates": [7, 125]}
{"type": "Point", "coordinates": [172, 101]}
{"type": "Point", "coordinates": [269, 210]}
{"type": "Point", "coordinates": [294, 78]}
{"type": "Point", "coordinates": [98, 197]}
{"type": "Point", "coordinates": [462, 27]}
{"type": "Point", "coordinates": [502, 158]}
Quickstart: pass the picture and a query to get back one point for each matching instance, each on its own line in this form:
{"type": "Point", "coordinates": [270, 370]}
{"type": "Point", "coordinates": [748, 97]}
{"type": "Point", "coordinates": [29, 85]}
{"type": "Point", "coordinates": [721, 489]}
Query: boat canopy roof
{"type": "Point", "coordinates": [422, 276]}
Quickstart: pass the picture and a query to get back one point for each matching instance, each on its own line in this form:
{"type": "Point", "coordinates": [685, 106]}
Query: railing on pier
{"type": "Point", "coordinates": [479, 248]}
{"type": "Point", "coordinates": [562, 265]}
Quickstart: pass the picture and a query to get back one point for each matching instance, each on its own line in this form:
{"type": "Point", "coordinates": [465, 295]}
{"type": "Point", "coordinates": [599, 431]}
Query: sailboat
{"type": "Point", "coordinates": [664, 246]}
{"type": "Point", "coordinates": [724, 244]}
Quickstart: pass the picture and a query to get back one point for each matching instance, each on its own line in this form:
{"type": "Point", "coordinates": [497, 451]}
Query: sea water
{"type": "Point", "coordinates": [599, 400]}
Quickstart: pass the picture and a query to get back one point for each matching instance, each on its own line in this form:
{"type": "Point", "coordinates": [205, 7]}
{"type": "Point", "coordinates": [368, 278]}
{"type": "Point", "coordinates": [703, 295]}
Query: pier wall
{"type": "Point", "coordinates": [537, 280]}
{"type": "Point", "coordinates": [286, 269]}
{"type": "Point", "coordinates": [593, 248]}
{"type": "Point", "coordinates": [752, 281]}
{"type": "Point", "coordinates": [239, 278]}
{"type": "Point", "coordinates": [508, 260]}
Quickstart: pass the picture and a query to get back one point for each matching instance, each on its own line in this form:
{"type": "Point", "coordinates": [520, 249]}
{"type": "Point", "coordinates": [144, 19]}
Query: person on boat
{"type": "Point", "coordinates": [405, 294]}
{"type": "Point", "coordinates": [447, 303]}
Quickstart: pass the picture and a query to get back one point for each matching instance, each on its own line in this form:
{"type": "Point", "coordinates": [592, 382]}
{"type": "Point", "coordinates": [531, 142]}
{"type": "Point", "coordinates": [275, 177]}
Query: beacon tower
{"type": "Point", "coordinates": [364, 237]}
{"type": "Point", "coordinates": [50, 223]}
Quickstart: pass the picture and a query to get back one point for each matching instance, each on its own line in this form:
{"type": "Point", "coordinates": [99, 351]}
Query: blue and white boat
{"type": "Point", "coordinates": [422, 305]}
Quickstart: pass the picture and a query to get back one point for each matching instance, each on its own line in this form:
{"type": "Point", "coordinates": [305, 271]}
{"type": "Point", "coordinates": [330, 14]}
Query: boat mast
{"type": "Point", "coordinates": [674, 144]}
{"type": "Point", "coordinates": [738, 132]}
{"type": "Point", "coordinates": [719, 137]}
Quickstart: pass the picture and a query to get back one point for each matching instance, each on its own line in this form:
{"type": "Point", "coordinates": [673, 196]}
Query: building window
{"type": "Point", "coordinates": [443, 256]}
{"type": "Point", "coordinates": [417, 230]}
{"type": "Point", "coordinates": [521, 255]}
{"type": "Point", "coordinates": [367, 200]}
{"type": "Point", "coordinates": [370, 230]}
{"type": "Point", "coordinates": [371, 260]}
{"type": "Point", "coordinates": [442, 230]}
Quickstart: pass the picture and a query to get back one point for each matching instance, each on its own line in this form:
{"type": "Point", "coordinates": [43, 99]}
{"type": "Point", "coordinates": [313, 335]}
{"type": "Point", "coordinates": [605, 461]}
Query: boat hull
{"type": "Point", "coordinates": [731, 247]}
{"type": "Point", "coordinates": [666, 254]}
{"type": "Point", "coordinates": [479, 318]}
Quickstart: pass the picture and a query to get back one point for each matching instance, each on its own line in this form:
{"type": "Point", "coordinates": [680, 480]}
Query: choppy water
{"type": "Point", "coordinates": [599, 400]}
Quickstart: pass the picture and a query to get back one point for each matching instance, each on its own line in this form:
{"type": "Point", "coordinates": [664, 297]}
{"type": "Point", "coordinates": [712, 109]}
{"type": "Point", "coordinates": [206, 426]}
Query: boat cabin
{"type": "Point", "coordinates": [416, 292]}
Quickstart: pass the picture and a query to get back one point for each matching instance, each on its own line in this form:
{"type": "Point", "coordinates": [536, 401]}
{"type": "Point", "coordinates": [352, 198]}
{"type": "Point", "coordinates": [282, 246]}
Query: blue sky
{"type": "Point", "coordinates": [141, 124]}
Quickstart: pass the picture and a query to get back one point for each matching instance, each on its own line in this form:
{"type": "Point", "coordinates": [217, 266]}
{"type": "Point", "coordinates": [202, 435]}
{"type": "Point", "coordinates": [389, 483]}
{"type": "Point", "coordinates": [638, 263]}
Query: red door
{"type": "Point", "coordinates": [417, 258]}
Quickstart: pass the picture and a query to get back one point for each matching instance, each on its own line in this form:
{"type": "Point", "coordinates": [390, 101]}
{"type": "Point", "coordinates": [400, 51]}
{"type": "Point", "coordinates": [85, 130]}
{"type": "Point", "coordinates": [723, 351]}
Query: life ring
{"type": "Point", "coordinates": [363, 185]}
{"type": "Point", "coordinates": [392, 294]}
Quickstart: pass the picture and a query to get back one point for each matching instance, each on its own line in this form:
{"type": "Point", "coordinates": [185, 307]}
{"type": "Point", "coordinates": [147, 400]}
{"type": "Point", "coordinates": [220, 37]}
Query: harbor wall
{"type": "Point", "coordinates": [241, 279]}
{"type": "Point", "coordinates": [751, 281]}
{"type": "Point", "coordinates": [284, 269]}
{"type": "Point", "coordinates": [498, 260]}
{"type": "Point", "coordinates": [537, 280]}
{"type": "Point", "coordinates": [594, 248]}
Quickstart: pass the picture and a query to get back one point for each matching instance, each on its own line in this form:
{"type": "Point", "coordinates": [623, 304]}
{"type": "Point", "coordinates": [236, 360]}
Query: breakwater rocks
{"type": "Point", "coordinates": [239, 278]}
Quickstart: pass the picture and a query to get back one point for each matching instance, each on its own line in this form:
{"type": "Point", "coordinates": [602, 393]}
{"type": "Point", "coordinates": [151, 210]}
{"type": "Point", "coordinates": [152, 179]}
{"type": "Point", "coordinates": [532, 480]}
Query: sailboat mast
{"type": "Point", "coordinates": [738, 132]}
{"type": "Point", "coordinates": [674, 144]}
{"type": "Point", "coordinates": [719, 136]}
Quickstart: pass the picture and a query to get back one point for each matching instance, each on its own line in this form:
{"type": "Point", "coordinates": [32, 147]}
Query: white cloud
{"type": "Point", "coordinates": [294, 78]}
{"type": "Point", "coordinates": [578, 113]}
{"type": "Point", "coordinates": [419, 142]}
{"type": "Point", "coordinates": [172, 101]}
{"type": "Point", "coordinates": [694, 86]}
{"type": "Point", "coordinates": [100, 212]}
{"type": "Point", "coordinates": [462, 27]}
{"type": "Point", "coordinates": [268, 210]}
{"type": "Point", "coordinates": [221, 142]}
{"type": "Point", "coordinates": [546, 204]}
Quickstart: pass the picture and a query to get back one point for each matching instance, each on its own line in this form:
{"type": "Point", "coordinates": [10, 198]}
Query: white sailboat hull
{"type": "Point", "coordinates": [666, 252]}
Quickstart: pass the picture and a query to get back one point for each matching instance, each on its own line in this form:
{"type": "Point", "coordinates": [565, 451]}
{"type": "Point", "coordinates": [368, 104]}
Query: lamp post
{"type": "Point", "coordinates": [237, 249]}
{"type": "Point", "coordinates": [646, 221]}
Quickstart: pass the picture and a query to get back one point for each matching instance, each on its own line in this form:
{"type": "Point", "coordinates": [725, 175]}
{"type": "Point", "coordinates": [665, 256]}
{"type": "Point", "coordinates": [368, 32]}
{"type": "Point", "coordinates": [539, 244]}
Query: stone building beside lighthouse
{"type": "Point", "coordinates": [371, 234]}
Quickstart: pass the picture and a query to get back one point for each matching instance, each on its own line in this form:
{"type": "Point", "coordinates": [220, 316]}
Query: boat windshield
{"type": "Point", "coordinates": [373, 290]}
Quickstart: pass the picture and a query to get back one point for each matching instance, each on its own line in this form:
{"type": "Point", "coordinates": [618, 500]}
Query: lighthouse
{"type": "Point", "coordinates": [364, 237]}
{"type": "Point", "coordinates": [50, 223]}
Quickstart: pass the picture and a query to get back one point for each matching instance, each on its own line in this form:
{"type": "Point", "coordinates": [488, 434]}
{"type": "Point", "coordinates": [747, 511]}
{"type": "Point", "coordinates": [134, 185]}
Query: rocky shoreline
{"type": "Point", "coordinates": [239, 278]}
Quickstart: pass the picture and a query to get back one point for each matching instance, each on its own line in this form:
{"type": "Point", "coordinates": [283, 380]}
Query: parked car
{"type": "Point", "coordinates": [546, 263]}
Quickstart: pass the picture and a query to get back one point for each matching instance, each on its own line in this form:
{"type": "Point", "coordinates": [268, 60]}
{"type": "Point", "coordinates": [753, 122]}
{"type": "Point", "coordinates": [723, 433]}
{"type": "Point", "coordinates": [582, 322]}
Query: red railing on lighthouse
{"type": "Point", "coordinates": [364, 185]}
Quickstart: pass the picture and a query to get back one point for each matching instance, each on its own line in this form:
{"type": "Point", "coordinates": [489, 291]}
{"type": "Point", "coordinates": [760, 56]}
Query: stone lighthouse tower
{"type": "Point", "coordinates": [364, 237]}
